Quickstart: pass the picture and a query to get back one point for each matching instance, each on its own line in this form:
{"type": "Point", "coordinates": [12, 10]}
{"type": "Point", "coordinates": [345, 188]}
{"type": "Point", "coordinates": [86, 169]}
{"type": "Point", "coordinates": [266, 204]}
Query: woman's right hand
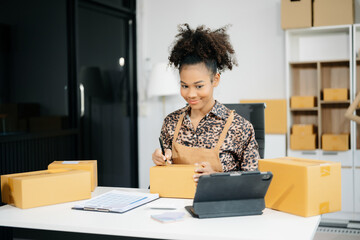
{"type": "Point", "coordinates": [159, 159]}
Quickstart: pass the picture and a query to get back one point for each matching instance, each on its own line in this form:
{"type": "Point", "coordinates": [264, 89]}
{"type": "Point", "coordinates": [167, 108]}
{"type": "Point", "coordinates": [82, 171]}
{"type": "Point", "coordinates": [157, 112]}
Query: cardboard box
{"type": "Point", "coordinates": [175, 181]}
{"type": "Point", "coordinates": [335, 142]}
{"type": "Point", "coordinates": [275, 115]}
{"type": "Point", "coordinates": [41, 188]}
{"type": "Point", "coordinates": [296, 14]}
{"type": "Point", "coordinates": [87, 165]}
{"type": "Point", "coordinates": [333, 12]}
{"type": "Point", "coordinates": [303, 129]}
{"type": "Point", "coordinates": [303, 187]}
{"type": "Point", "coordinates": [20, 110]}
{"type": "Point", "coordinates": [46, 123]}
{"type": "Point", "coordinates": [5, 188]}
{"type": "Point", "coordinates": [335, 94]}
{"type": "Point", "coordinates": [303, 101]}
{"type": "Point", "coordinates": [303, 142]}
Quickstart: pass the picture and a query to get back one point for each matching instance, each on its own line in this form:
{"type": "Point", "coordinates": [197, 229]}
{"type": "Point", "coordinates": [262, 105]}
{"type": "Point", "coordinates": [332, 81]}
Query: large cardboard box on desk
{"type": "Point", "coordinates": [6, 195]}
{"type": "Point", "coordinates": [174, 181]}
{"type": "Point", "coordinates": [303, 187]}
{"type": "Point", "coordinates": [41, 188]}
{"type": "Point", "coordinates": [88, 165]}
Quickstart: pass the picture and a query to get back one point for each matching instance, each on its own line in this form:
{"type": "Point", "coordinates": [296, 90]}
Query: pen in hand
{"type": "Point", "coordinates": [162, 147]}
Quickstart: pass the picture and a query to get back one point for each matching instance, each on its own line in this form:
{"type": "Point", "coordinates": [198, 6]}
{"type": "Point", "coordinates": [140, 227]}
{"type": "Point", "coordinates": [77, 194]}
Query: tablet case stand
{"type": "Point", "coordinates": [230, 194]}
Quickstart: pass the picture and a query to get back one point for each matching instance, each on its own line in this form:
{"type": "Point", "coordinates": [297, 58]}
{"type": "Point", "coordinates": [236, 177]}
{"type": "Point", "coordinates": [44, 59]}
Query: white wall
{"type": "Point", "coordinates": [256, 36]}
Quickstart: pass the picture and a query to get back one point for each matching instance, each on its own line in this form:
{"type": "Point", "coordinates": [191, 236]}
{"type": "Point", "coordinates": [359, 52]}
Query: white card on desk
{"type": "Point", "coordinates": [168, 217]}
{"type": "Point", "coordinates": [116, 201]}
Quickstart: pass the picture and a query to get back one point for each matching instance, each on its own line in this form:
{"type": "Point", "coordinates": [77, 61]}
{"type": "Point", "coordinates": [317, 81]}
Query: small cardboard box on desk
{"type": "Point", "coordinates": [40, 188]}
{"type": "Point", "coordinates": [88, 165]}
{"type": "Point", "coordinates": [303, 187]}
{"type": "Point", "coordinates": [174, 181]}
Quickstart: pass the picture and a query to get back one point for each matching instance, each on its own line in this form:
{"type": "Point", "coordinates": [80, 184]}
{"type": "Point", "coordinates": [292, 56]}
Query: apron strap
{"type": "Point", "coordinates": [178, 125]}
{"type": "Point", "coordinates": [225, 130]}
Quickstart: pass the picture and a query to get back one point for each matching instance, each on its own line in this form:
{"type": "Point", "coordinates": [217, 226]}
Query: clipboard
{"type": "Point", "coordinates": [230, 194]}
{"type": "Point", "coordinates": [116, 201]}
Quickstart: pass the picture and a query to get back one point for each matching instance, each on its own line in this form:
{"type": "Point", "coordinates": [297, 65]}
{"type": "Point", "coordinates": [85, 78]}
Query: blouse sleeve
{"type": "Point", "coordinates": [250, 150]}
{"type": "Point", "coordinates": [166, 133]}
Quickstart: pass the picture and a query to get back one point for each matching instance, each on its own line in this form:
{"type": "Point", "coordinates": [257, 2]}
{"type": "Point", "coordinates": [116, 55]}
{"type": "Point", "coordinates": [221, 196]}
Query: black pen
{"type": "Point", "coordinates": [162, 147]}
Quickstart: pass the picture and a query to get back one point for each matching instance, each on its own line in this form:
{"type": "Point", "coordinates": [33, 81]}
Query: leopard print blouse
{"type": "Point", "coordinates": [239, 152]}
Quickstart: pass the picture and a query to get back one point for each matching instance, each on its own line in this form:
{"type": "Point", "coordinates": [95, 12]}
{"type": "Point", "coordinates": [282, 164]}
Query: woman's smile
{"type": "Point", "coordinates": [193, 101]}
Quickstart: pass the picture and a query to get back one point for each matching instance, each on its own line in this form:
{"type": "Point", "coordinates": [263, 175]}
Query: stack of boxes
{"type": "Point", "coordinates": [330, 141]}
{"type": "Point", "coordinates": [64, 181]}
{"type": "Point", "coordinates": [303, 136]}
{"type": "Point", "coordinates": [308, 13]}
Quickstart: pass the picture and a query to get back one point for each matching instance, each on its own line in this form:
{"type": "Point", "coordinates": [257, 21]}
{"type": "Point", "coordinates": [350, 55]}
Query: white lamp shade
{"type": "Point", "coordinates": [163, 81]}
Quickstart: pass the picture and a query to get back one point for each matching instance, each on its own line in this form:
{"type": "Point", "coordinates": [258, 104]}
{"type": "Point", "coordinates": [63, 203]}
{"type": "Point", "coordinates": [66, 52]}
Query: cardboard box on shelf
{"type": "Point", "coordinates": [275, 114]}
{"type": "Point", "coordinates": [301, 186]}
{"type": "Point", "coordinates": [41, 188]}
{"type": "Point", "coordinates": [88, 165]}
{"type": "Point", "coordinates": [15, 116]}
{"type": "Point", "coordinates": [46, 123]}
{"type": "Point", "coordinates": [175, 180]}
{"type": "Point", "coordinates": [333, 12]}
{"type": "Point", "coordinates": [20, 110]}
{"type": "Point", "coordinates": [303, 129]}
{"type": "Point", "coordinates": [335, 94]}
{"type": "Point", "coordinates": [335, 142]}
{"type": "Point", "coordinates": [303, 101]}
{"type": "Point", "coordinates": [303, 142]}
{"type": "Point", "coordinates": [296, 14]}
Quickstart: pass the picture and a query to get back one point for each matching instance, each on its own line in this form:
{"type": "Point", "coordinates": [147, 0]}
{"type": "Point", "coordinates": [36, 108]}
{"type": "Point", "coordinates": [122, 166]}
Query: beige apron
{"type": "Point", "coordinates": [190, 155]}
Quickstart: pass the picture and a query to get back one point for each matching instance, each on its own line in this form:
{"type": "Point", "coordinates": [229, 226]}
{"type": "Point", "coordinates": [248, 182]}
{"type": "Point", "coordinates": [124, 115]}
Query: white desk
{"type": "Point", "coordinates": [137, 222]}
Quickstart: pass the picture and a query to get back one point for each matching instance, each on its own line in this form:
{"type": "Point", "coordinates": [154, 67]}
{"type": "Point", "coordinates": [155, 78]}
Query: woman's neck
{"type": "Point", "coordinates": [200, 113]}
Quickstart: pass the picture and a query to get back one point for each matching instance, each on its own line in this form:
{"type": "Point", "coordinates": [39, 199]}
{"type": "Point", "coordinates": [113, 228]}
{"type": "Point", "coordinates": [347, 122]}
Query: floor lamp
{"type": "Point", "coordinates": [162, 83]}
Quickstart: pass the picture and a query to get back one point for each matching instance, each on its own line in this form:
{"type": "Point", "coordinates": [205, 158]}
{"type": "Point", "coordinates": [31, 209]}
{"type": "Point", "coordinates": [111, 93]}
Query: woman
{"type": "Point", "coordinates": [205, 132]}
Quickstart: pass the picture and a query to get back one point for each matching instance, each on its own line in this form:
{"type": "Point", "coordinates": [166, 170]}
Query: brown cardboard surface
{"type": "Point", "coordinates": [296, 14]}
{"type": "Point", "coordinates": [275, 114]}
{"type": "Point", "coordinates": [303, 101]}
{"type": "Point", "coordinates": [301, 186]}
{"type": "Point", "coordinates": [40, 188]}
{"type": "Point", "coordinates": [333, 12]}
{"type": "Point", "coordinates": [335, 94]}
{"type": "Point", "coordinates": [5, 188]}
{"type": "Point", "coordinates": [175, 180]}
{"type": "Point", "coordinates": [303, 142]}
{"type": "Point", "coordinates": [303, 129]}
{"type": "Point", "coordinates": [46, 123]}
{"type": "Point", "coordinates": [88, 165]}
{"type": "Point", "coordinates": [335, 142]}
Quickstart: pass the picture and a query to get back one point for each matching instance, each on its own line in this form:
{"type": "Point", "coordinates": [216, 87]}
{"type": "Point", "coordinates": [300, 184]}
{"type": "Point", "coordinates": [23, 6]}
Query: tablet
{"type": "Point", "coordinates": [230, 194]}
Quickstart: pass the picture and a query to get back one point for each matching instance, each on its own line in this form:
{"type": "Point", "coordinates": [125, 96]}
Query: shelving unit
{"type": "Point", "coordinates": [356, 137]}
{"type": "Point", "coordinates": [320, 58]}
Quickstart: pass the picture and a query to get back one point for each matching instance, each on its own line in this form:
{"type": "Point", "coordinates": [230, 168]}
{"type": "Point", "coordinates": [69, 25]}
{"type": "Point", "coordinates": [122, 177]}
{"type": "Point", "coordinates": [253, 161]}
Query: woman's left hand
{"type": "Point", "coordinates": [203, 168]}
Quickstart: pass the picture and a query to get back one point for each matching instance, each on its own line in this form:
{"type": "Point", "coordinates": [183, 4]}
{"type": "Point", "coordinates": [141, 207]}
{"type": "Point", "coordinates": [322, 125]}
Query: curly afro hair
{"type": "Point", "coordinates": [203, 45]}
